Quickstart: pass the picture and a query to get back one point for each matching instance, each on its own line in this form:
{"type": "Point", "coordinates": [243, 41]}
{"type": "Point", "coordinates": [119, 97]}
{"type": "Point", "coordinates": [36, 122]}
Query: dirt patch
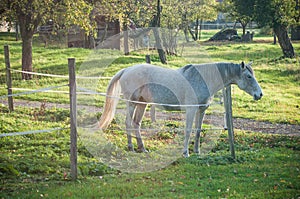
{"type": "Point", "coordinates": [238, 123]}
{"type": "Point", "coordinates": [258, 126]}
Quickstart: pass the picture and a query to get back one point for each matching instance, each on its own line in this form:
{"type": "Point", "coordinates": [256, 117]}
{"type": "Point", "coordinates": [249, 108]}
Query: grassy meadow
{"type": "Point", "coordinates": [37, 165]}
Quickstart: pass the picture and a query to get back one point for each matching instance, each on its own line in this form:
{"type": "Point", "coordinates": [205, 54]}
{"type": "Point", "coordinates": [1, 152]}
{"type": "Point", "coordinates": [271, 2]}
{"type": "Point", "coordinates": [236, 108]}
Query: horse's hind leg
{"type": "Point", "coordinates": [138, 116]}
{"type": "Point", "coordinates": [129, 121]}
{"type": "Point", "coordinates": [198, 124]}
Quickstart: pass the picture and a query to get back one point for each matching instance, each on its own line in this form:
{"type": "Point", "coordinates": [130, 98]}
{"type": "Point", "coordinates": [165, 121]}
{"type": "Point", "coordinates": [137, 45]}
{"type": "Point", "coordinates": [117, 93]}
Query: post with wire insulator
{"type": "Point", "coordinates": [228, 108]}
{"type": "Point", "coordinates": [8, 79]}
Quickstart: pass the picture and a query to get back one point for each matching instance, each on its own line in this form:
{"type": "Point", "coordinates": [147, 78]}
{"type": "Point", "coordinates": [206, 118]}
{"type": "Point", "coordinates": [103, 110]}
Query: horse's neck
{"type": "Point", "coordinates": [216, 76]}
{"type": "Point", "coordinates": [229, 72]}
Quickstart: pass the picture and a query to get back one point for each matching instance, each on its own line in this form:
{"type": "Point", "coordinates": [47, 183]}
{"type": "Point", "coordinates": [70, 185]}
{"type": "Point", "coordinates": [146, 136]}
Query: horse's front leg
{"type": "Point", "coordinates": [198, 124]}
{"type": "Point", "coordinates": [190, 114]}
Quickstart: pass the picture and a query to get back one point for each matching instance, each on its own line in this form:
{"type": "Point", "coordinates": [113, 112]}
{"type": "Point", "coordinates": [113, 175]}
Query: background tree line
{"type": "Point", "coordinates": [170, 14]}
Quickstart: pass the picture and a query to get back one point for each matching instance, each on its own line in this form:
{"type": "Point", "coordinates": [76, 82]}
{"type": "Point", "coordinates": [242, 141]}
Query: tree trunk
{"type": "Point", "coordinates": [295, 36]}
{"type": "Point", "coordinates": [244, 25]}
{"type": "Point", "coordinates": [197, 29]}
{"type": "Point", "coordinates": [17, 31]}
{"type": "Point", "coordinates": [156, 23]}
{"type": "Point", "coordinates": [284, 41]}
{"type": "Point", "coordinates": [185, 27]}
{"type": "Point", "coordinates": [295, 33]}
{"type": "Point", "coordinates": [244, 28]}
{"type": "Point", "coordinates": [27, 35]}
{"type": "Point", "coordinates": [126, 39]}
{"type": "Point", "coordinates": [27, 26]}
{"type": "Point", "coordinates": [192, 34]}
{"type": "Point", "coordinates": [274, 39]}
{"type": "Point", "coordinates": [200, 29]}
{"type": "Point", "coordinates": [160, 50]}
{"type": "Point", "coordinates": [27, 57]}
{"type": "Point", "coordinates": [186, 35]}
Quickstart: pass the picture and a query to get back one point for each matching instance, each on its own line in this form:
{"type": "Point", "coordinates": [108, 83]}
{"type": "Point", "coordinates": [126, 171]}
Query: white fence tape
{"type": "Point", "coordinates": [48, 91]}
{"type": "Point", "coordinates": [85, 91]}
{"type": "Point", "coordinates": [30, 132]}
{"type": "Point", "coordinates": [139, 102]}
{"type": "Point", "coordinates": [40, 74]}
{"type": "Point", "coordinates": [33, 91]}
{"type": "Point", "coordinates": [58, 76]}
{"type": "Point", "coordinates": [51, 91]}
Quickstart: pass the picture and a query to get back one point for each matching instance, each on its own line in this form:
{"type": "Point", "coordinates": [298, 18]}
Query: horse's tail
{"type": "Point", "coordinates": [112, 98]}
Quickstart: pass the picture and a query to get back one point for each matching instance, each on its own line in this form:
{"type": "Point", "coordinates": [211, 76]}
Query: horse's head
{"type": "Point", "coordinates": [248, 83]}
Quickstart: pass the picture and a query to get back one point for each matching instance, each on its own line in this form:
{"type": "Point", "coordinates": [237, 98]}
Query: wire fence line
{"type": "Point", "coordinates": [31, 132]}
{"type": "Point", "coordinates": [84, 91]}
{"type": "Point", "coordinates": [58, 76]}
{"type": "Point", "coordinates": [32, 91]}
{"type": "Point", "coordinates": [141, 102]}
{"type": "Point", "coordinates": [87, 91]}
{"type": "Point", "coordinates": [73, 106]}
{"type": "Point", "coordinates": [50, 90]}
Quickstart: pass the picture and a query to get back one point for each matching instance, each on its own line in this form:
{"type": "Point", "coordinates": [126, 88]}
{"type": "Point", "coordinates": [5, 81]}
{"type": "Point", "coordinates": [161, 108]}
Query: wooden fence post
{"type": "Point", "coordinates": [152, 110]}
{"type": "Point", "coordinates": [228, 108]}
{"type": "Point", "coordinates": [148, 59]}
{"type": "Point", "coordinates": [8, 78]}
{"type": "Point", "coordinates": [73, 118]}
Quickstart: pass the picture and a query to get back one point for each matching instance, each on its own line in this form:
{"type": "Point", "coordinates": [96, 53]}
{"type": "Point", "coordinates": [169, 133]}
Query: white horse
{"type": "Point", "coordinates": [189, 88]}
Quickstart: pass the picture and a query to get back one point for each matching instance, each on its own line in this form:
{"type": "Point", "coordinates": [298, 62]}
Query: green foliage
{"type": "Point", "coordinates": [276, 12]}
{"type": "Point", "coordinates": [267, 166]}
{"type": "Point", "coordinates": [32, 13]}
{"type": "Point", "coordinates": [76, 13]}
{"type": "Point", "coordinates": [264, 12]}
{"type": "Point", "coordinates": [179, 14]}
{"type": "Point", "coordinates": [141, 12]}
{"type": "Point", "coordinates": [239, 10]}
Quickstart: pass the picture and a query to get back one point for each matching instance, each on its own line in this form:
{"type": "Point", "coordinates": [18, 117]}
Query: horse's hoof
{"type": "Point", "coordinates": [142, 150]}
{"type": "Point", "coordinates": [197, 152]}
{"type": "Point", "coordinates": [185, 155]}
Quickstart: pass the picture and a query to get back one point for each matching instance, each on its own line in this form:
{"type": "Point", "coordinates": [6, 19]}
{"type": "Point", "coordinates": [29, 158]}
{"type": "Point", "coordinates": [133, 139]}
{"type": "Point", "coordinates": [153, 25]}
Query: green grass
{"type": "Point", "coordinates": [279, 78]}
{"type": "Point", "coordinates": [267, 166]}
{"type": "Point", "coordinates": [35, 166]}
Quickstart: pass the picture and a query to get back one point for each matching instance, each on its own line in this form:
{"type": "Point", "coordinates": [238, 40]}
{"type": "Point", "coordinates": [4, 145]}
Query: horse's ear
{"type": "Point", "coordinates": [243, 65]}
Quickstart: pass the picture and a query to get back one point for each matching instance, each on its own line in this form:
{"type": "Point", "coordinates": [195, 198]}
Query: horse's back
{"type": "Point", "coordinates": [150, 83]}
{"type": "Point", "coordinates": [142, 73]}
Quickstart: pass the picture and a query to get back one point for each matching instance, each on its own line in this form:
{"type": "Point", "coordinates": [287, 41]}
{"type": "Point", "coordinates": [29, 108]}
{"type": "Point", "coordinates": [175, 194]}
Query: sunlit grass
{"type": "Point", "coordinates": [35, 166]}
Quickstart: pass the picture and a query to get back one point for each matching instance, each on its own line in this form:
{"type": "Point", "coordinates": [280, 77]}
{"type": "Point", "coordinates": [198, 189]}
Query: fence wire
{"type": "Point", "coordinates": [32, 91]}
{"type": "Point", "coordinates": [80, 91]}
{"type": "Point", "coordinates": [31, 132]}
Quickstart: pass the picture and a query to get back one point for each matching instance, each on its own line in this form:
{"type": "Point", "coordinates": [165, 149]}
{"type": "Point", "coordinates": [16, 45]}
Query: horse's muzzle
{"type": "Point", "coordinates": [258, 97]}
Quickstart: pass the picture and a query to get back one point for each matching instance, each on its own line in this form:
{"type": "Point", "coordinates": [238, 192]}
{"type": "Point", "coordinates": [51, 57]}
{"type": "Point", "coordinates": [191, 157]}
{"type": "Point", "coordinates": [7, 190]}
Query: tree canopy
{"type": "Point", "coordinates": [239, 10]}
{"type": "Point", "coordinates": [278, 14]}
{"type": "Point", "coordinates": [30, 14]}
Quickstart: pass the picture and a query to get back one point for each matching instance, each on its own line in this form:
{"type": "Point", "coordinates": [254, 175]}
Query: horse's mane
{"type": "Point", "coordinates": [187, 67]}
{"type": "Point", "coordinates": [248, 67]}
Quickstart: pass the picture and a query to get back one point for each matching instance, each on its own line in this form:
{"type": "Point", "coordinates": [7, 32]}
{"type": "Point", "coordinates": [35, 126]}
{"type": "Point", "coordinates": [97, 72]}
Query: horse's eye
{"type": "Point", "coordinates": [249, 76]}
